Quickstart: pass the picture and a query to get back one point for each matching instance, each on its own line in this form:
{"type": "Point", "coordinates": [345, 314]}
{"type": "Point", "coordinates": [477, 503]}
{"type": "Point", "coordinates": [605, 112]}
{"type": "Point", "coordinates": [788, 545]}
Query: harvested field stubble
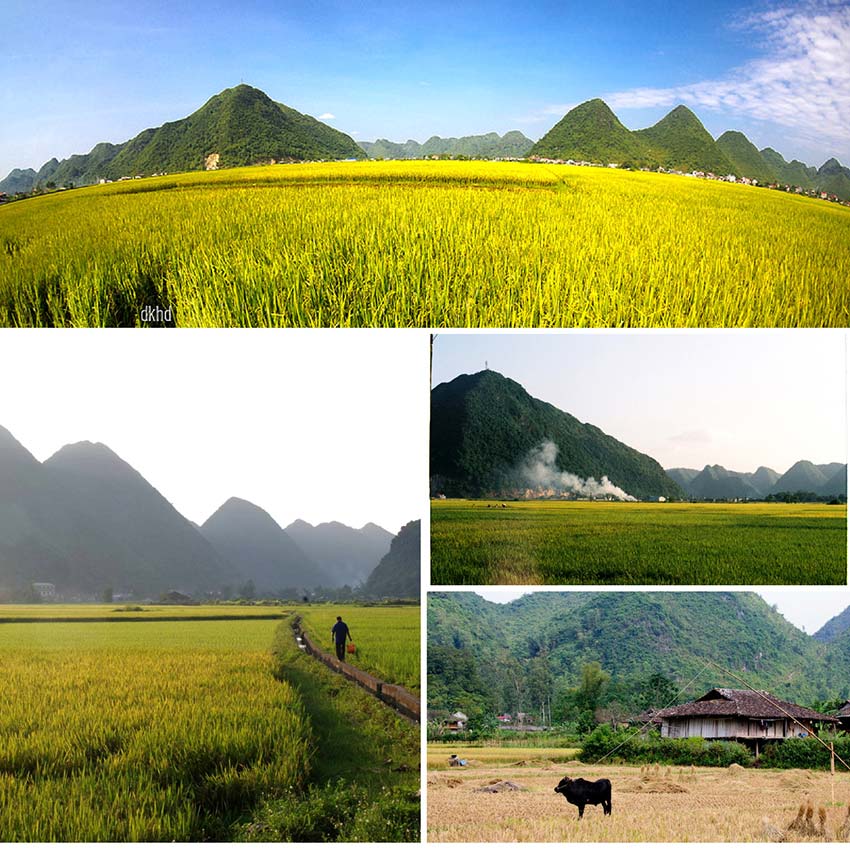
{"type": "Point", "coordinates": [659, 805]}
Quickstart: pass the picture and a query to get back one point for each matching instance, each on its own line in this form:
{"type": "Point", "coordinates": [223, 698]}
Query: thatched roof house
{"type": "Point", "coordinates": [738, 715]}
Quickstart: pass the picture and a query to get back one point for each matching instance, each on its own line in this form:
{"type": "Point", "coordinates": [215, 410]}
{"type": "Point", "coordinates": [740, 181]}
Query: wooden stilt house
{"type": "Point", "coordinates": [752, 717]}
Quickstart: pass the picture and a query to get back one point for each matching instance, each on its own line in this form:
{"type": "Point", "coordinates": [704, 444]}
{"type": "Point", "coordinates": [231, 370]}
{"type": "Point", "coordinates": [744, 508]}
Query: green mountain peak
{"type": "Point", "coordinates": [490, 438]}
{"type": "Point", "coordinates": [590, 132]}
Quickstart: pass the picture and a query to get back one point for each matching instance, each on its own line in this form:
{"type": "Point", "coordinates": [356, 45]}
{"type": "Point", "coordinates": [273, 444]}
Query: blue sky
{"type": "Point", "coordinates": [741, 399]}
{"type": "Point", "coordinates": [76, 74]}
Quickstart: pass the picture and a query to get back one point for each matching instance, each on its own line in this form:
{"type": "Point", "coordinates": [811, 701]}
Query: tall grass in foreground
{"type": "Point", "coordinates": [425, 244]}
{"type": "Point", "coordinates": [142, 731]}
{"type": "Point", "coordinates": [387, 638]}
{"type": "Point", "coordinates": [637, 543]}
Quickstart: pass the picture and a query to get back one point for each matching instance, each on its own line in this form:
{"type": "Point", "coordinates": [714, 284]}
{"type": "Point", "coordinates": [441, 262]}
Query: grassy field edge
{"type": "Point", "coordinates": [364, 780]}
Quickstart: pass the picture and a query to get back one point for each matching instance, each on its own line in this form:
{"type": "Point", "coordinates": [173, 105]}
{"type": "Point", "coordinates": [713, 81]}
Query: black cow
{"type": "Point", "coordinates": [582, 793]}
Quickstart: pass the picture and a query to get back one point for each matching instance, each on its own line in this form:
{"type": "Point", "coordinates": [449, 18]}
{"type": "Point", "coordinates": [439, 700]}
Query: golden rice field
{"type": "Point", "coordinates": [102, 611]}
{"type": "Point", "coordinates": [142, 731]}
{"type": "Point", "coordinates": [386, 638]}
{"type": "Point", "coordinates": [674, 804]}
{"type": "Point", "coordinates": [571, 542]}
{"type": "Point", "coordinates": [425, 244]}
{"type": "Point", "coordinates": [182, 729]}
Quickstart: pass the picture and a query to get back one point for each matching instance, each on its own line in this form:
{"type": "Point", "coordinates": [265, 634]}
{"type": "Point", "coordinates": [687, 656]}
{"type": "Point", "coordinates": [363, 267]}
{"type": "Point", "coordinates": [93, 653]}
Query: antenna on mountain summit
{"type": "Point", "coordinates": [486, 367]}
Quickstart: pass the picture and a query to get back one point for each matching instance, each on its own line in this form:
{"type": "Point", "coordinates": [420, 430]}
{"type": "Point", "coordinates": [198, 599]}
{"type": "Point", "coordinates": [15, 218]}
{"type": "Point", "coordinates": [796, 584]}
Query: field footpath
{"type": "Point", "coordinates": [396, 697]}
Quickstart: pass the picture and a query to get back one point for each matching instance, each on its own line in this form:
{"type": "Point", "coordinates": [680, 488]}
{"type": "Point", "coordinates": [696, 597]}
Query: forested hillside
{"type": "Point", "coordinates": [486, 658]}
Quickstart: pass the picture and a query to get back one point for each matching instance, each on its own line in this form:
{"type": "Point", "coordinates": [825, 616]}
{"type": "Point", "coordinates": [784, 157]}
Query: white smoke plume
{"type": "Point", "coordinates": [542, 477]}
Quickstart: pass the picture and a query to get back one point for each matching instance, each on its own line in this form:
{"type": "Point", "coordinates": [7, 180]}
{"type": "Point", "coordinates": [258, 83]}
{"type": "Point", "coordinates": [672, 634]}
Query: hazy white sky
{"type": "Point", "coordinates": [807, 608]}
{"type": "Point", "coordinates": [317, 425]}
{"type": "Point", "coordinates": [741, 399]}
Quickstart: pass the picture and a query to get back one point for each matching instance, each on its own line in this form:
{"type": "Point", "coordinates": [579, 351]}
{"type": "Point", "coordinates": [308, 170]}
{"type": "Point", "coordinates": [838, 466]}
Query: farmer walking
{"type": "Point", "coordinates": [340, 633]}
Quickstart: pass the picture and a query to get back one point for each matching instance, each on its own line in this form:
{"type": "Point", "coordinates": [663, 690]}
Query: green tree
{"type": "Point", "coordinates": [107, 595]}
{"type": "Point", "coordinates": [579, 705]}
{"type": "Point", "coordinates": [657, 691]}
{"type": "Point", "coordinates": [594, 681]}
{"type": "Point", "coordinates": [539, 683]}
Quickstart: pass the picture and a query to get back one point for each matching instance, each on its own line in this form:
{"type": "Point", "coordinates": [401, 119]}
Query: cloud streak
{"type": "Point", "coordinates": [803, 84]}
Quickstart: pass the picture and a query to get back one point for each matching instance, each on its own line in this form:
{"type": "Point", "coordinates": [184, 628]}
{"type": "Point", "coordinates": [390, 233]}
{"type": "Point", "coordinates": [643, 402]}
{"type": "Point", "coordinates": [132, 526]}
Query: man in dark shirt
{"type": "Point", "coordinates": [340, 633]}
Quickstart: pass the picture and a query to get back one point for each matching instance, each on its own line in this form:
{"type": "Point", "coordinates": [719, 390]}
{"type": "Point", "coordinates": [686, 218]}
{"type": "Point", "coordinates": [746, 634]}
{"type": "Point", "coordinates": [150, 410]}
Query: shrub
{"type": "Point", "coordinates": [650, 748]}
{"type": "Point", "coordinates": [804, 753]}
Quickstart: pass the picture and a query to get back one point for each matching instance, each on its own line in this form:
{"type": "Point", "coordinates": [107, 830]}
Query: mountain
{"type": "Point", "coordinates": [489, 436]}
{"type": "Point", "coordinates": [18, 180]}
{"type": "Point", "coordinates": [764, 479]}
{"type": "Point", "coordinates": [746, 159]}
{"type": "Point", "coordinates": [385, 149]}
{"type": "Point", "coordinates": [834, 178]}
{"type": "Point", "coordinates": [85, 520]}
{"type": "Point", "coordinates": [715, 482]}
{"type": "Point", "coordinates": [834, 627]}
{"type": "Point", "coordinates": [591, 132]}
{"type": "Point", "coordinates": [680, 142]}
{"type": "Point", "coordinates": [164, 550]}
{"type": "Point", "coordinates": [682, 476]}
{"type": "Point", "coordinates": [398, 575]}
{"type": "Point", "coordinates": [347, 555]}
{"type": "Point", "coordinates": [487, 146]}
{"type": "Point", "coordinates": [804, 476]}
{"type": "Point", "coordinates": [794, 173]}
{"type": "Point", "coordinates": [247, 537]}
{"type": "Point", "coordinates": [241, 125]}
{"type": "Point", "coordinates": [491, 652]}
{"type": "Point", "coordinates": [836, 485]}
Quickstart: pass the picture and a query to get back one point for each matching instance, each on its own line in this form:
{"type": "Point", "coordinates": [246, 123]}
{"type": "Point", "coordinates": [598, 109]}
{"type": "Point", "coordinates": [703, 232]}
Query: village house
{"type": "Point", "coordinates": [843, 717]}
{"type": "Point", "coordinates": [750, 717]}
{"type": "Point", "coordinates": [457, 722]}
{"type": "Point", "coordinates": [45, 590]}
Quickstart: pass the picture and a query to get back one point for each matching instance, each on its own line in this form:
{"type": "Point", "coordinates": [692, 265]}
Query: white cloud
{"type": "Point", "coordinates": [690, 437]}
{"type": "Point", "coordinates": [326, 116]}
{"type": "Point", "coordinates": [803, 84]}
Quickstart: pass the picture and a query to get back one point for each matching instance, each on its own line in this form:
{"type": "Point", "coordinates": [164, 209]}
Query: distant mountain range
{"type": "Point", "coordinates": [239, 126]}
{"type": "Point", "coordinates": [491, 439]}
{"type": "Point", "coordinates": [716, 482]}
{"type": "Point", "coordinates": [349, 554]}
{"type": "Point", "coordinates": [482, 654]}
{"type": "Point", "coordinates": [489, 146]}
{"type": "Point", "coordinates": [243, 126]}
{"type": "Point", "coordinates": [86, 521]}
{"type": "Point", "coordinates": [592, 133]}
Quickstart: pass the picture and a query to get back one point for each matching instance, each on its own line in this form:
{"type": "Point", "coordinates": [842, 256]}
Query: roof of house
{"type": "Point", "coordinates": [728, 702]}
{"type": "Point", "coordinates": [844, 711]}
